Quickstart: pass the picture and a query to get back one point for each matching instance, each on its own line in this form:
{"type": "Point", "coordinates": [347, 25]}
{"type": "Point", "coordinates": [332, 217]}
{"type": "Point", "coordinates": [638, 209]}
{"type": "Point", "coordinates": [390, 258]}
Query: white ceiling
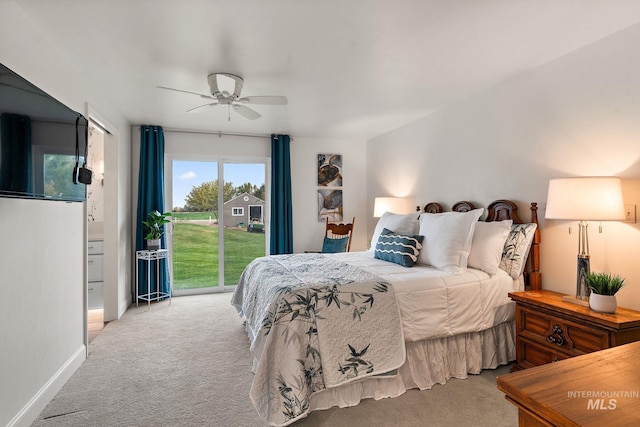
{"type": "Point", "coordinates": [350, 68]}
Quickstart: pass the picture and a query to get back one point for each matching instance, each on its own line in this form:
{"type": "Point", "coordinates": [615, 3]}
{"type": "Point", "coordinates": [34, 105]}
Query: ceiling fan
{"type": "Point", "coordinates": [222, 93]}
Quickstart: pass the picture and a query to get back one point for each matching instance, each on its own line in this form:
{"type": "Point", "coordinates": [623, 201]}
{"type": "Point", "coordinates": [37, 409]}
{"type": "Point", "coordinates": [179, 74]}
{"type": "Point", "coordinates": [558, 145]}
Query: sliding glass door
{"type": "Point", "coordinates": [219, 220]}
{"type": "Point", "coordinates": [243, 216]}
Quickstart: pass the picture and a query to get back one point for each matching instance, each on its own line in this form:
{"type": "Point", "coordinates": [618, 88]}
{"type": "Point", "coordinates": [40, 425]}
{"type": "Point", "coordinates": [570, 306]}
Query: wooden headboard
{"type": "Point", "coordinates": [500, 210]}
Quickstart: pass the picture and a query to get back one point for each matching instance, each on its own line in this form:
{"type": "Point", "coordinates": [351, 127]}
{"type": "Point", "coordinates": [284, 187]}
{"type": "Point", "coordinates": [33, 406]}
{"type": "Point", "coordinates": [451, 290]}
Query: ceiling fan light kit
{"type": "Point", "coordinates": [216, 80]}
{"type": "Point", "coordinates": [225, 90]}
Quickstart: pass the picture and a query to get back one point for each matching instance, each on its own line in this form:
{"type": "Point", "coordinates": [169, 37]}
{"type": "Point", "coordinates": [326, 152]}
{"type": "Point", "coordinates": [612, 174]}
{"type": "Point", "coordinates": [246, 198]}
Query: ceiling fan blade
{"type": "Point", "coordinates": [246, 112]}
{"type": "Point", "coordinates": [186, 91]}
{"type": "Point", "coordinates": [201, 107]}
{"type": "Point", "coordinates": [265, 100]}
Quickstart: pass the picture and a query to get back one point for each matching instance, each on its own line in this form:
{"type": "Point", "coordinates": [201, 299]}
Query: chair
{"type": "Point", "coordinates": [337, 237]}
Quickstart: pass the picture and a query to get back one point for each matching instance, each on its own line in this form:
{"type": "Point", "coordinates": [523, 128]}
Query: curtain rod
{"type": "Point", "coordinates": [219, 133]}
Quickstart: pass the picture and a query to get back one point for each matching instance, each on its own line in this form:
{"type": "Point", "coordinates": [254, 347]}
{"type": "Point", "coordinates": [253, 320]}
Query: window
{"type": "Point", "coordinates": [211, 240]}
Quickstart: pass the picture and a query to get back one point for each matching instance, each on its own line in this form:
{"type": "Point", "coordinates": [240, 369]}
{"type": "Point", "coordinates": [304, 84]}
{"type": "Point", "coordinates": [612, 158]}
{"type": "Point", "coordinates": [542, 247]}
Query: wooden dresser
{"type": "Point", "coordinates": [593, 390]}
{"type": "Point", "coordinates": [549, 329]}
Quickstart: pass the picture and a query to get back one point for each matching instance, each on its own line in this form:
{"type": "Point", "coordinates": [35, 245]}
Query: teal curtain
{"type": "Point", "coordinates": [15, 154]}
{"type": "Point", "coordinates": [151, 197]}
{"type": "Point", "coordinates": [281, 216]}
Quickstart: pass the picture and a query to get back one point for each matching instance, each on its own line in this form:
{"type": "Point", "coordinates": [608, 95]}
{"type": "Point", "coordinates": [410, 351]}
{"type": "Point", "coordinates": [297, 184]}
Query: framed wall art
{"type": "Point", "coordinates": [329, 170]}
{"type": "Point", "coordinates": [330, 187]}
{"type": "Point", "coordinates": [330, 205]}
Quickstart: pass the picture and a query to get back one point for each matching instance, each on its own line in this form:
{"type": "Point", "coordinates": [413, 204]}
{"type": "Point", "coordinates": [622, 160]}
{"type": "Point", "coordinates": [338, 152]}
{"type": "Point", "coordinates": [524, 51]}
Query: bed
{"type": "Point", "coordinates": [428, 302]}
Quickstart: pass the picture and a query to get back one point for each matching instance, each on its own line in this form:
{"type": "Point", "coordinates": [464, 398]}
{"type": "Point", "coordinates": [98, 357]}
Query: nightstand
{"type": "Point", "coordinates": [549, 329]}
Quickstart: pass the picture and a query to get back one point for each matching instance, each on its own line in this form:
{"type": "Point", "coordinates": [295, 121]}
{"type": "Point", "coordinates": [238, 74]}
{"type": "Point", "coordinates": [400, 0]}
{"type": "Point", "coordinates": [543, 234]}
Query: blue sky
{"type": "Point", "coordinates": [189, 174]}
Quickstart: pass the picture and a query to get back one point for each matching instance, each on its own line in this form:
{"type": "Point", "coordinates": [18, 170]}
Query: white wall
{"type": "Point", "coordinates": [43, 250]}
{"type": "Point", "coordinates": [578, 115]}
{"type": "Point", "coordinates": [308, 232]}
{"type": "Point", "coordinates": [41, 309]}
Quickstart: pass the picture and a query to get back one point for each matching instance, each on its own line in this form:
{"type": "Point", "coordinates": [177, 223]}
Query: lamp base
{"type": "Point", "coordinates": [576, 300]}
{"type": "Point", "coordinates": [582, 289]}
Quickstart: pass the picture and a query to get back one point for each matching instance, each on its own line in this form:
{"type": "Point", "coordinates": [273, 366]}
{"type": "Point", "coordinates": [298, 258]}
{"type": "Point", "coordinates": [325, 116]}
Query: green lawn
{"type": "Point", "coordinates": [194, 215]}
{"type": "Point", "coordinates": [195, 254]}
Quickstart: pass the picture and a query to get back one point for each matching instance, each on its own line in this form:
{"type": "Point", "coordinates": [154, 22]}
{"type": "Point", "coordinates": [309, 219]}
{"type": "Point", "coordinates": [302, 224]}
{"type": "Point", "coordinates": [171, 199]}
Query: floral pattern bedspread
{"type": "Point", "coordinates": [314, 323]}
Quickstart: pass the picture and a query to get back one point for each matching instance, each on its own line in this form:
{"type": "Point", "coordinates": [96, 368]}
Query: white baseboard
{"type": "Point", "coordinates": [36, 405]}
{"type": "Point", "coordinates": [124, 305]}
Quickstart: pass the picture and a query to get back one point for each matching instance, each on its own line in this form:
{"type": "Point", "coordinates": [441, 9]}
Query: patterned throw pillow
{"type": "Point", "coordinates": [398, 248]}
{"type": "Point", "coordinates": [397, 223]}
{"type": "Point", "coordinates": [516, 249]}
{"type": "Point", "coordinates": [332, 246]}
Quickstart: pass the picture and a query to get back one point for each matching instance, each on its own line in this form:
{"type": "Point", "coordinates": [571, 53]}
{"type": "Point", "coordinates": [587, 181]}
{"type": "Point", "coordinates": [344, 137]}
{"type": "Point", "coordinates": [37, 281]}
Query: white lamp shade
{"type": "Point", "coordinates": [596, 198]}
{"type": "Point", "coordinates": [397, 205]}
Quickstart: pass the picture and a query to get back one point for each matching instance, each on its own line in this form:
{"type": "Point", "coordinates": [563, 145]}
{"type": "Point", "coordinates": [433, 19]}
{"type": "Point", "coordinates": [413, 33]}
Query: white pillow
{"type": "Point", "coordinates": [398, 223]}
{"type": "Point", "coordinates": [487, 245]}
{"type": "Point", "coordinates": [447, 239]}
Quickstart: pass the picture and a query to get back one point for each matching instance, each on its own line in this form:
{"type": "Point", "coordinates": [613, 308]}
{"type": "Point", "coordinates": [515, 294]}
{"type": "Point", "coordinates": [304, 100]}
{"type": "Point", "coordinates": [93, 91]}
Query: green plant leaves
{"type": "Point", "coordinates": [604, 283]}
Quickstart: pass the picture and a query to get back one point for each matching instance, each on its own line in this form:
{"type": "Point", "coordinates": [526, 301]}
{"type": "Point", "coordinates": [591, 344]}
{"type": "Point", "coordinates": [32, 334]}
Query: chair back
{"type": "Point", "coordinates": [338, 231]}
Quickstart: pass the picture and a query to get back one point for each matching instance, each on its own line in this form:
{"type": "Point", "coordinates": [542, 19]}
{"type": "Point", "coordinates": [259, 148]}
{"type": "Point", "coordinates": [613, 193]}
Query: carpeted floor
{"type": "Point", "coordinates": [188, 364]}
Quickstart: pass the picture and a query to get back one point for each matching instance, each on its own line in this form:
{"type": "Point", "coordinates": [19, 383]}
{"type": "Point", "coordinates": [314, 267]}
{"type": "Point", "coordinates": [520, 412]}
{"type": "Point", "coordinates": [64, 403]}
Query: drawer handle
{"type": "Point", "coordinates": [555, 359]}
{"type": "Point", "coordinates": [556, 335]}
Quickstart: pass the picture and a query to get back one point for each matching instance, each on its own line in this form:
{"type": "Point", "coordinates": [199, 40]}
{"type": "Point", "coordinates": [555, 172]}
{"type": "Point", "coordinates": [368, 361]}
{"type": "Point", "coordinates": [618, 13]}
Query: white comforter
{"type": "Point", "coordinates": [435, 304]}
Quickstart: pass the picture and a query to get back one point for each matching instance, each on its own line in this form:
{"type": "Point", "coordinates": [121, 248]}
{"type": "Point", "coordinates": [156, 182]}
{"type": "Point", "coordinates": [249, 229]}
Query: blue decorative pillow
{"type": "Point", "coordinates": [398, 248]}
{"type": "Point", "coordinates": [332, 246]}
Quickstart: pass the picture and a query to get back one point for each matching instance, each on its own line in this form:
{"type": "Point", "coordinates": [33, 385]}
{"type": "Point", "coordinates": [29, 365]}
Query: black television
{"type": "Point", "coordinates": [38, 137]}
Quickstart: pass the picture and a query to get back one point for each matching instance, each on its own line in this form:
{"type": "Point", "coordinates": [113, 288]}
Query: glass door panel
{"type": "Point", "coordinates": [195, 246]}
{"type": "Point", "coordinates": [243, 217]}
{"type": "Point", "coordinates": [203, 258]}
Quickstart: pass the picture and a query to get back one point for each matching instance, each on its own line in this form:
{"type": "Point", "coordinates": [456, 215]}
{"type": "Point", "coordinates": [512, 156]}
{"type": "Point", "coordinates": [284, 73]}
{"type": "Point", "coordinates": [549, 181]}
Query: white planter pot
{"type": "Point", "coordinates": [153, 244]}
{"type": "Point", "coordinates": [603, 303]}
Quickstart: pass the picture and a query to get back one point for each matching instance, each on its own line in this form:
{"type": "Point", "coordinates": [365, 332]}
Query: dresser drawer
{"type": "Point", "coordinates": [549, 328]}
{"type": "Point", "coordinates": [561, 335]}
{"type": "Point", "coordinates": [95, 298]}
{"type": "Point", "coordinates": [95, 247]}
{"type": "Point", "coordinates": [94, 273]}
{"type": "Point", "coordinates": [534, 354]}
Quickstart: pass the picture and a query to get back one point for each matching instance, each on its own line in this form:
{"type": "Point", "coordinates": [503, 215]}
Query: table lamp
{"type": "Point", "coordinates": [585, 199]}
{"type": "Point", "coordinates": [397, 205]}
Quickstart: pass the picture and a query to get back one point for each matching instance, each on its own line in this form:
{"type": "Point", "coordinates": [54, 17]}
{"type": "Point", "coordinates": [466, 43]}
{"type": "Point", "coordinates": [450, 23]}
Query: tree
{"type": "Point", "coordinates": [252, 189]}
{"type": "Point", "coordinates": [247, 187]}
{"type": "Point", "coordinates": [259, 192]}
{"type": "Point", "coordinates": [204, 198]}
{"type": "Point", "coordinates": [57, 177]}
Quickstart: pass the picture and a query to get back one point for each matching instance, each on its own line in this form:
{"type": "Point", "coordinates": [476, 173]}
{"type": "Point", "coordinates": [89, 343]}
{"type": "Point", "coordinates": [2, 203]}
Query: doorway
{"type": "Point", "coordinates": [218, 215]}
{"type": "Point", "coordinates": [95, 231]}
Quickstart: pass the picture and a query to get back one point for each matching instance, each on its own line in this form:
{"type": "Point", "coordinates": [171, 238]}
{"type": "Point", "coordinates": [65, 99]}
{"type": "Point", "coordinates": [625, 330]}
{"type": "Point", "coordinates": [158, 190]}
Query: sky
{"type": "Point", "coordinates": [189, 174]}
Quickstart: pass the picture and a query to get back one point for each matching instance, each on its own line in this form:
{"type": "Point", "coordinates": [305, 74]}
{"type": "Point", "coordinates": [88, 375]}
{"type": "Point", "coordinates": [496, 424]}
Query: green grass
{"type": "Point", "coordinates": [195, 254]}
{"type": "Point", "coordinates": [194, 215]}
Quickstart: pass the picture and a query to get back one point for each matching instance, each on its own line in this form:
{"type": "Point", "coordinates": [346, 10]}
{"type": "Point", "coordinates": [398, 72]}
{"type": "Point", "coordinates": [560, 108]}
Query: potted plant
{"type": "Point", "coordinates": [603, 288]}
{"type": "Point", "coordinates": [154, 225]}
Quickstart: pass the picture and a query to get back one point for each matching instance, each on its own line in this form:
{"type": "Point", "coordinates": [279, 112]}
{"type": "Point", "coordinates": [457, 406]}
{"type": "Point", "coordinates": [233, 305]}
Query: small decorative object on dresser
{"type": "Point", "coordinates": [604, 287]}
{"type": "Point", "coordinates": [549, 329]}
{"type": "Point", "coordinates": [154, 225]}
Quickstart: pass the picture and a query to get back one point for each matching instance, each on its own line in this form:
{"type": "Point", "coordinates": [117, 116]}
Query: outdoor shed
{"type": "Point", "coordinates": [243, 210]}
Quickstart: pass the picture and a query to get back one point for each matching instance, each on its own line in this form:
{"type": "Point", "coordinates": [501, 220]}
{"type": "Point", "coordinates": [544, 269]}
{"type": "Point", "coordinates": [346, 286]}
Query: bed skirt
{"type": "Point", "coordinates": [428, 363]}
